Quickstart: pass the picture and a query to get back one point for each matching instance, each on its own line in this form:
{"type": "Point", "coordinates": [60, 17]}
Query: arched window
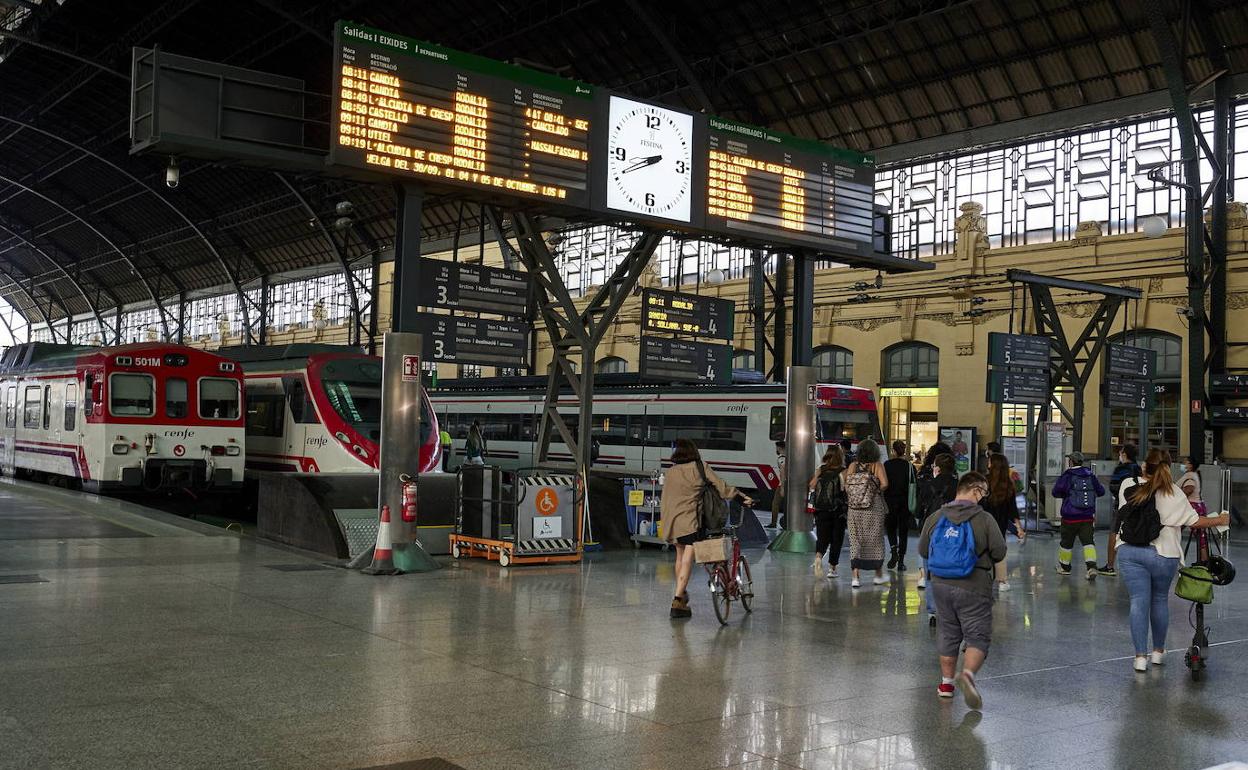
{"type": "Point", "coordinates": [1161, 423]}
{"type": "Point", "coordinates": [743, 359]}
{"type": "Point", "coordinates": [833, 364]}
{"type": "Point", "coordinates": [611, 365]}
{"type": "Point", "coordinates": [912, 363]}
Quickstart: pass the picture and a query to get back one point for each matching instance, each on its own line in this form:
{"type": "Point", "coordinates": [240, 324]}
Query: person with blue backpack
{"type": "Point", "coordinates": [962, 544]}
{"type": "Point", "coordinates": [1078, 489]}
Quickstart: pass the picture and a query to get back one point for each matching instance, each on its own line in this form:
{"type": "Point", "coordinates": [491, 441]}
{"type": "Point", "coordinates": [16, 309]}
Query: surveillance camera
{"type": "Point", "coordinates": [172, 174]}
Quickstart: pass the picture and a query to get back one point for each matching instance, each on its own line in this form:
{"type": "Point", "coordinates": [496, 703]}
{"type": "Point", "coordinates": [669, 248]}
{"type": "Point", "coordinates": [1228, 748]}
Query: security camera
{"type": "Point", "coordinates": [172, 174]}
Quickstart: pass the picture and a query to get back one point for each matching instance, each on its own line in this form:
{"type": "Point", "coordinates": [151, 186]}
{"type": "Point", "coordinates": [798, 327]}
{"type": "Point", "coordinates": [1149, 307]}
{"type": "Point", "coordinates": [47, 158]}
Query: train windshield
{"type": "Point", "coordinates": [353, 387]}
{"type": "Point", "coordinates": [132, 395]}
{"type": "Point", "coordinates": [855, 425]}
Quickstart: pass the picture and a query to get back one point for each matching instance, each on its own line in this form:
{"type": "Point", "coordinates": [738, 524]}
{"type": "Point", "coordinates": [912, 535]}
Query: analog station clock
{"type": "Point", "coordinates": [649, 160]}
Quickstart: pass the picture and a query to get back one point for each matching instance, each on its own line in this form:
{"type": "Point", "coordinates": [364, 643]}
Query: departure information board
{"type": "Point", "coordinates": [460, 286]}
{"type": "Point", "coordinates": [418, 109]}
{"type": "Point", "coordinates": [1120, 393]}
{"type": "Point", "coordinates": [1026, 351]}
{"type": "Point", "coordinates": [1006, 387]}
{"type": "Point", "coordinates": [666, 360]}
{"type": "Point", "coordinates": [768, 185]}
{"type": "Point", "coordinates": [1228, 385]}
{"type": "Point", "coordinates": [1129, 361]}
{"type": "Point", "coordinates": [678, 313]}
{"type": "Point", "coordinates": [480, 341]}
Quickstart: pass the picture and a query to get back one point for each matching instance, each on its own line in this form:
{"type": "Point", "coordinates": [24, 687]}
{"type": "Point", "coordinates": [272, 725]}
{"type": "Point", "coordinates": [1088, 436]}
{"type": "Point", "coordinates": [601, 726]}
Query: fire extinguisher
{"type": "Point", "coordinates": [409, 498]}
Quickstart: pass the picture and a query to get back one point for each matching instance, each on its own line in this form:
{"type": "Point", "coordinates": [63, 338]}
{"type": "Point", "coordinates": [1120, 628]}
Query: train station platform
{"type": "Point", "coordinates": [130, 639]}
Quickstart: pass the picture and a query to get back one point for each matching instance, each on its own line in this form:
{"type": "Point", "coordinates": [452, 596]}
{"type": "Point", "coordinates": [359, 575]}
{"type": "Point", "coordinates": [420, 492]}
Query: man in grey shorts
{"type": "Point", "coordinates": [964, 605]}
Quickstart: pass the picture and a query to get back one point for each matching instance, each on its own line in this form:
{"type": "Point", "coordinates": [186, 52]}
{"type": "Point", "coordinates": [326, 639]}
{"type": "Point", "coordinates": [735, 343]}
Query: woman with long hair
{"type": "Point", "coordinates": [679, 513]}
{"type": "Point", "coordinates": [1148, 570]}
{"type": "Point", "coordinates": [1189, 482]}
{"type": "Point", "coordinates": [865, 482]}
{"type": "Point", "coordinates": [1002, 504]}
{"type": "Point", "coordinates": [829, 504]}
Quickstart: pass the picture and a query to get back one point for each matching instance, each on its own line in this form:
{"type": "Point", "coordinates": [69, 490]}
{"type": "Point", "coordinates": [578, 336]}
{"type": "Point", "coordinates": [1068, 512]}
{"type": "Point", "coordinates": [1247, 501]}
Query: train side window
{"type": "Point", "coordinates": [611, 429]}
{"type": "Point", "coordinates": [264, 415]}
{"type": "Point", "coordinates": [176, 398]}
{"type": "Point", "coordinates": [47, 407]}
{"type": "Point", "coordinates": [10, 408]}
{"type": "Point", "coordinates": [71, 406]}
{"type": "Point", "coordinates": [654, 431]}
{"type": "Point", "coordinates": [778, 424]}
{"type": "Point", "coordinates": [300, 407]}
{"type": "Point", "coordinates": [218, 398]}
{"type": "Point", "coordinates": [132, 395]}
{"type": "Point", "coordinates": [31, 404]}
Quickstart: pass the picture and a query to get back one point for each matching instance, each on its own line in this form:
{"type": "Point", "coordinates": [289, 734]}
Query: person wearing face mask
{"type": "Point", "coordinates": [1127, 468]}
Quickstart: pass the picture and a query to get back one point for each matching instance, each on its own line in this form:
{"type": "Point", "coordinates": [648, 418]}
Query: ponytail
{"type": "Point", "coordinates": [1158, 479]}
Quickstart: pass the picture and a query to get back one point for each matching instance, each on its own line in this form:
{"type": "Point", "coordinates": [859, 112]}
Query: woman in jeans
{"type": "Point", "coordinates": [1148, 570]}
{"type": "Point", "coordinates": [829, 504]}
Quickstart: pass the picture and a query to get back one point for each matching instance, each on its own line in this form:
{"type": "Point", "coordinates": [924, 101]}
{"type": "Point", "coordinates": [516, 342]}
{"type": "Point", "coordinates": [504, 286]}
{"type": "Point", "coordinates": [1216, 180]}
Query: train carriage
{"type": "Point", "coordinates": [316, 408]}
{"type": "Point", "coordinates": [143, 417]}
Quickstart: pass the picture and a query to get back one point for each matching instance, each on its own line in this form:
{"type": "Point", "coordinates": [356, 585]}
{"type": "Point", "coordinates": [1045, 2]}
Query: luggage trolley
{"type": "Point", "coordinates": [516, 519]}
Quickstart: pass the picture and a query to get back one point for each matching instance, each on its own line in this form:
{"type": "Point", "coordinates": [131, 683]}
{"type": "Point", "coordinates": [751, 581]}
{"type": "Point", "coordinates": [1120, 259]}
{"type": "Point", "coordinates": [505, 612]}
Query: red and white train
{"type": "Point", "coordinates": [144, 417]}
{"type": "Point", "coordinates": [315, 408]}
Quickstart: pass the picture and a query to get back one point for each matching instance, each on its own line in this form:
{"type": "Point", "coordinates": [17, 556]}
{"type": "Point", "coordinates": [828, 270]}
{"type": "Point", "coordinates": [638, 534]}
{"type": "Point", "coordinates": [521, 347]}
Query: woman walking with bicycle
{"type": "Point", "coordinates": [680, 515]}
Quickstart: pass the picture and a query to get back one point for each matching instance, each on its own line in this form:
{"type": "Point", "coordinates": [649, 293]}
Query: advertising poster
{"type": "Point", "coordinates": [962, 442]}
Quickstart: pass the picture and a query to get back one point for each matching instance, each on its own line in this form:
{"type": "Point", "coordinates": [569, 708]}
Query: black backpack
{"type": "Point", "coordinates": [1140, 523]}
{"type": "Point", "coordinates": [828, 497]}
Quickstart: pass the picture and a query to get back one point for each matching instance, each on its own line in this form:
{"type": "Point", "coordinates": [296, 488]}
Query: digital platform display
{"type": "Point", "coordinates": [674, 312]}
{"type": "Point", "coordinates": [460, 286]}
{"type": "Point", "coordinates": [667, 360]}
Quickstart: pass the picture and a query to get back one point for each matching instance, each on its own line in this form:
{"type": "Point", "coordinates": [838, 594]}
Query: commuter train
{"type": "Point", "coordinates": [735, 426]}
{"type": "Point", "coordinates": [145, 417]}
{"type": "Point", "coordinates": [315, 408]}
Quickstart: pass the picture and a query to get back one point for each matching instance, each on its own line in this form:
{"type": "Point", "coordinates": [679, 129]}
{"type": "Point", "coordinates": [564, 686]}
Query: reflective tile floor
{"type": "Point", "coordinates": [158, 646]}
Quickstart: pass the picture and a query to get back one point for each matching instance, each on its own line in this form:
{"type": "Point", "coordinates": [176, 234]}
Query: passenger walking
{"type": "Point", "coordinates": [1078, 487]}
{"type": "Point", "coordinates": [828, 500]}
{"type": "Point", "coordinates": [962, 543]}
{"type": "Point", "coordinates": [941, 489]}
{"type": "Point", "coordinates": [474, 447]}
{"type": "Point", "coordinates": [679, 510]}
{"type": "Point", "coordinates": [1149, 550]}
{"type": "Point", "coordinates": [1126, 468]}
{"type": "Point", "coordinates": [899, 497]}
{"type": "Point", "coordinates": [1002, 504]}
{"type": "Point", "coordinates": [777, 498]}
{"type": "Point", "coordinates": [865, 484]}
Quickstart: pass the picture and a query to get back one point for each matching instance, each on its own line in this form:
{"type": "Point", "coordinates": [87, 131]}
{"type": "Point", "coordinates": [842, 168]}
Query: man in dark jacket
{"type": "Point", "coordinates": [1078, 489]}
{"type": "Point", "coordinates": [964, 604]}
{"type": "Point", "coordinates": [1127, 468]}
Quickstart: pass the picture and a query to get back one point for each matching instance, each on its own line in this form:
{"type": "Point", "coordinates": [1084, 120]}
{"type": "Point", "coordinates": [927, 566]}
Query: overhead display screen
{"type": "Point", "coordinates": [771, 186]}
{"type": "Point", "coordinates": [681, 361]}
{"type": "Point", "coordinates": [460, 286]}
{"type": "Point", "coordinates": [481, 341]}
{"type": "Point", "coordinates": [1028, 351]}
{"type": "Point", "coordinates": [418, 109]}
{"type": "Point", "coordinates": [678, 313]}
{"type": "Point", "coordinates": [1129, 361]}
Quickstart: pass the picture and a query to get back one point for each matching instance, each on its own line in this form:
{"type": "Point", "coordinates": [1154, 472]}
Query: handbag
{"type": "Point", "coordinates": [912, 492]}
{"type": "Point", "coordinates": [1195, 584]}
{"type": "Point", "coordinates": [712, 511]}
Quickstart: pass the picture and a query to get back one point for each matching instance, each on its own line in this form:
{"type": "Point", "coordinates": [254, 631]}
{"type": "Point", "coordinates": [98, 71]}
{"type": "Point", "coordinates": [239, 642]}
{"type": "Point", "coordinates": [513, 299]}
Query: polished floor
{"type": "Point", "coordinates": [150, 645]}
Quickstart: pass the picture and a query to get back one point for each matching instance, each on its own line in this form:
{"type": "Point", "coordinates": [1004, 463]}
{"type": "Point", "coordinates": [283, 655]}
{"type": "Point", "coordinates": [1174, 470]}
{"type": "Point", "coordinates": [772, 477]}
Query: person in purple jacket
{"type": "Point", "coordinates": [1078, 489]}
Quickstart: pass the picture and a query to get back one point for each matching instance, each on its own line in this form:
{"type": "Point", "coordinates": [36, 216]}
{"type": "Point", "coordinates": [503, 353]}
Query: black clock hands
{"type": "Point", "coordinates": [642, 163]}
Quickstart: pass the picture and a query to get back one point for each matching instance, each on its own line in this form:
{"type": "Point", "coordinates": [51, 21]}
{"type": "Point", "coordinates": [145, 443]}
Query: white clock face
{"type": "Point", "coordinates": [650, 160]}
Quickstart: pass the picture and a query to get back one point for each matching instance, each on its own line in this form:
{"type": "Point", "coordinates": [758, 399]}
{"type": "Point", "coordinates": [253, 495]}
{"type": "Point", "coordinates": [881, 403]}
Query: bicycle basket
{"type": "Point", "coordinates": [712, 550]}
{"type": "Point", "coordinates": [1195, 584]}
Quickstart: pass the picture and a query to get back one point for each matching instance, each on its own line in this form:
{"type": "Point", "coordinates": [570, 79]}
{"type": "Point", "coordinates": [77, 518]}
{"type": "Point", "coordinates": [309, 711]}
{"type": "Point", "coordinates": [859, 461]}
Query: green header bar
{"type": "Point", "coordinates": [788, 140]}
{"type": "Point", "coordinates": [423, 50]}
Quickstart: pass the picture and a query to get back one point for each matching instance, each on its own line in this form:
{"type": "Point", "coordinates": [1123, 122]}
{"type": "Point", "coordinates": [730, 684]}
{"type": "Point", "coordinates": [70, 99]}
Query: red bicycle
{"type": "Point", "coordinates": [729, 579]}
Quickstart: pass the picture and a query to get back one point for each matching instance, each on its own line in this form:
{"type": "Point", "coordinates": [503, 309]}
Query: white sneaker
{"type": "Point", "coordinates": [832, 573]}
{"type": "Point", "coordinates": [1141, 662]}
{"type": "Point", "coordinates": [855, 584]}
{"type": "Point", "coordinates": [922, 581]}
{"type": "Point", "coordinates": [879, 581]}
{"type": "Point", "coordinates": [818, 567]}
{"type": "Point", "coordinates": [1003, 586]}
{"type": "Point", "coordinates": [1157, 658]}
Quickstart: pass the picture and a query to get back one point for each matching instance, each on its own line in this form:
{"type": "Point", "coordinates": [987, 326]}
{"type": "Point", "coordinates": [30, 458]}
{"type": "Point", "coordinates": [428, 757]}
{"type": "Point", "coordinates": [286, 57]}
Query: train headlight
{"type": "Point", "coordinates": [233, 451]}
{"type": "Point", "coordinates": [121, 448]}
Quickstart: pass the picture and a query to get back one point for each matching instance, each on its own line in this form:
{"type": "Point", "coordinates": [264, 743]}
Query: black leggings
{"type": "Point", "coordinates": [897, 524]}
{"type": "Point", "coordinates": [829, 535]}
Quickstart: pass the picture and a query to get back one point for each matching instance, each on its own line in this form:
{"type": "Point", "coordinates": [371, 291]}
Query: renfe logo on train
{"type": "Point", "coordinates": [411, 368]}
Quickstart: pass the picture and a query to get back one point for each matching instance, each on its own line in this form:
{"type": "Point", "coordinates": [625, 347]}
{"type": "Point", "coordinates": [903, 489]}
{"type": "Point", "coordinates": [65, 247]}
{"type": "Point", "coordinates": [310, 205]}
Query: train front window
{"type": "Point", "coordinates": [218, 399]}
{"type": "Point", "coordinates": [353, 388]}
{"type": "Point", "coordinates": [855, 425]}
{"type": "Point", "coordinates": [132, 395]}
{"type": "Point", "coordinates": [175, 398]}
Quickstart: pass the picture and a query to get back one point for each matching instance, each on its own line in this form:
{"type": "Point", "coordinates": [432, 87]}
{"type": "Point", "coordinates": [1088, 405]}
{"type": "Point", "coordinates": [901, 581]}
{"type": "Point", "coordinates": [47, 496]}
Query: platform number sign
{"type": "Point", "coordinates": [411, 368]}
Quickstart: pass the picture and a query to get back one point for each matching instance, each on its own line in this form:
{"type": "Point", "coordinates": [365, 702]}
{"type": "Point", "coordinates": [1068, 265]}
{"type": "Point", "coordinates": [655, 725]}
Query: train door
{"type": "Point", "coordinates": [266, 419]}
{"type": "Point", "coordinates": [8, 428]}
{"type": "Point", "coordinates": [301, 414]}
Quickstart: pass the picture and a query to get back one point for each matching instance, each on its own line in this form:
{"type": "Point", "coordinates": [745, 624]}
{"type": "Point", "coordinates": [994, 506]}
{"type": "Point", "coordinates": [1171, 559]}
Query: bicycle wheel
{"type": "Point", "coordinates": [745, 585]}
{"type": "Point", "coordinates": [720, 599]}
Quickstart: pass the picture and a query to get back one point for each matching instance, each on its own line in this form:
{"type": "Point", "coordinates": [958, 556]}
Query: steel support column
{"type": "Point", "coordinates": [803, 308]}
{"type": "Point", "coordinates": [405, 284]}
{"type": "Point", "coordinates": [779, 317]}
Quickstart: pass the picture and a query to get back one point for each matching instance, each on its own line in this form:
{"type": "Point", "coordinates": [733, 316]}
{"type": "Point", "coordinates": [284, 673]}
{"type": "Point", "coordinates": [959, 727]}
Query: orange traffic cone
{"type": "Point", "coordinates": [383, 553]}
